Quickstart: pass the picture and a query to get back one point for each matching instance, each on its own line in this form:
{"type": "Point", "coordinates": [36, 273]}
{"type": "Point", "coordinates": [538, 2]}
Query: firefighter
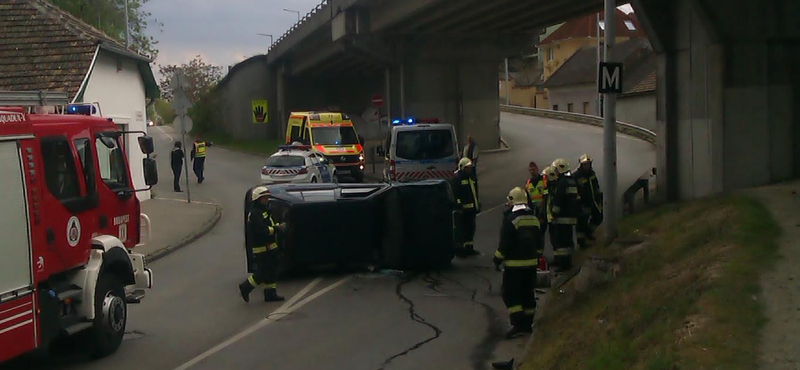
{"type": "Point", "coordinates": [591, 201]}
{"type": "Point", "coordinates": [550, 176]}
{"type": "Point", "coordinates": [535, 188]}
{"type": "Point", "coordinates": [565, 208]}
{"type": "Point", "coordinates": [265, 248]}
{"type": "Point", "coordinates": [519, 251]}
{"type": "Point", "coordinates": [199, 158]}
{"type": "Point", "coordinates": [465, 189]}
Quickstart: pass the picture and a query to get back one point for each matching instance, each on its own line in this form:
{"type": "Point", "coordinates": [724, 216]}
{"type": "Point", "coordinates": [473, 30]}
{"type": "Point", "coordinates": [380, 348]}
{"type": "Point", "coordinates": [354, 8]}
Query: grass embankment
{"type": "Point", "coordinates": [264, 146]}
{"type": "Point", "coordinates": [689, 299]}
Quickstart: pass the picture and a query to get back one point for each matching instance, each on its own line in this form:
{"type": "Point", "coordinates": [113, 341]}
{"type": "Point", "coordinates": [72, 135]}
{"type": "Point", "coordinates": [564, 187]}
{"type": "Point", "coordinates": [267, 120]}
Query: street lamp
{"type": "Point", "coordinates": [271, 39]}
{"type": "Point", "coordinates": [293, 11]}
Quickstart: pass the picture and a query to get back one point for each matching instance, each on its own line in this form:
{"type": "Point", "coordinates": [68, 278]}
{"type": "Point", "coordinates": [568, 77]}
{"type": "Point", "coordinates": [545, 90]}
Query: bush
{"type": "Point", "coordinates": [165, 111]}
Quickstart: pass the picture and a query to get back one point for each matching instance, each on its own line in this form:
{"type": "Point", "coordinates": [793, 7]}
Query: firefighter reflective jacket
{"type": "Point", "coordinates": [520, 244]}
{"type": "Point", "coordinates": [589, 190]}
{"type": "Point", "coordinates": [465, 189]}
{"type": "Point", "coordinates": [262, 229]}
{"type": "Point", "coordinates": [199, 149]}
{"type": "Point", "coordinates": [564, 201]}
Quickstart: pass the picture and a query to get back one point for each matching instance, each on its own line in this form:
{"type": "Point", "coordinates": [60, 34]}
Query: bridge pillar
{"type": "Point", "coordinates": [729, 93]}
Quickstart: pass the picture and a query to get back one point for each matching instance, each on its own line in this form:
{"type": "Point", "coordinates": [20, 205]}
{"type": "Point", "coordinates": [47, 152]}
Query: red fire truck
{"type": "Point", "coordinates": [69, 218]}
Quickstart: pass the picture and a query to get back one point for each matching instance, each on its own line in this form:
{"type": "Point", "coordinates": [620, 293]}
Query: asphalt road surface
{"type": "Point", "coordinates": [451, 319]}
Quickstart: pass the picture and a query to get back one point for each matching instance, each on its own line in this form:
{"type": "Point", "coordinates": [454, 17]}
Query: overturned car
{"type": "Point", "coordinates": [398, 226]}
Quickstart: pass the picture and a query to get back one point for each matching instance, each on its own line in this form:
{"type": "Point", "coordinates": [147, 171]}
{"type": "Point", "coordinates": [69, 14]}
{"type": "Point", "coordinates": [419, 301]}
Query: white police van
{"type": "Point", "coordinates": [297, 164]}
{"type": "Point", "coordinates": [419, 150]}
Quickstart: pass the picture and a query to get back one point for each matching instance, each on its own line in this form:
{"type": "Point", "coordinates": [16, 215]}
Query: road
{"type": "Point", "coordinates": [452, 319]}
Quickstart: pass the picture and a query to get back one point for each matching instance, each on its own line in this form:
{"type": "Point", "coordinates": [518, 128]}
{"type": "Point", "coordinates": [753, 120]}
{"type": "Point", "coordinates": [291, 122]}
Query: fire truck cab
{"type": "Point", "coordinates": [69, 218]}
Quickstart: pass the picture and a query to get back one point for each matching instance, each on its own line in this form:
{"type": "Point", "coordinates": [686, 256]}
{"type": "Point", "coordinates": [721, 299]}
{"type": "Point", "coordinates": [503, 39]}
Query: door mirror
{"type": "Point", "coordinates": [146, 144]}
{"type": "Point", "coordinates": [150, 171]}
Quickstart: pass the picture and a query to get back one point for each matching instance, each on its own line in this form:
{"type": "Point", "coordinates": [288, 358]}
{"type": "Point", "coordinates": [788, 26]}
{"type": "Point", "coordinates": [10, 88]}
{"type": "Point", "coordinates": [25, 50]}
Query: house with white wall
{"type": "Point", "coordinates": [45, 48]}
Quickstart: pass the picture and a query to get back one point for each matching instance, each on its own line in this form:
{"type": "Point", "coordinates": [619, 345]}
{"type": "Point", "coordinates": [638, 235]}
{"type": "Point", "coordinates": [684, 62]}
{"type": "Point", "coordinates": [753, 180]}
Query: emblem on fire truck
{"type": "Point", "coordinates": [73, 231]}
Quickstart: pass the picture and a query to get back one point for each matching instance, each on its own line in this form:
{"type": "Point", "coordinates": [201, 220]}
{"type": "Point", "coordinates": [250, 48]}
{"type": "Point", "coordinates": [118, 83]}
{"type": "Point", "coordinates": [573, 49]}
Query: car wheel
{"type": "Point", "coordinates": [335, 178]}
{"type": "Point", "coordinates": [110, 317]}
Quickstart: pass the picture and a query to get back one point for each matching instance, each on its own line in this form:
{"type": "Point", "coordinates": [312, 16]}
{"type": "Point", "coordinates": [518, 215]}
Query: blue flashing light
{"type": "Point", "coordinates": [410, 120]}
{"type": "Point", "coordinates": [395, 121]}
{"type": "Point", "coordinates": [82, 109]}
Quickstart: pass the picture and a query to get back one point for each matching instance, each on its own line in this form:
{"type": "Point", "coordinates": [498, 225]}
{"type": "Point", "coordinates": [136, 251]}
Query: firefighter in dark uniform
{"type": "Point", "coordinates": [565, 208]}
{"type": "Point", "coordinates": [265, 248]}
{"type": "Point", "coordinates": [591, 201]}
{"type": "Point", "coordinates": [519, 251]}
{"type": "Point", "coordinates": [465, 189]}
{"type": "Point", "coordinates": [536, 189]}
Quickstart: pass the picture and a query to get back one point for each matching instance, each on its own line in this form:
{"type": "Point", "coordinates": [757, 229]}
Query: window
{"type": "Point", "coordinates": [555, 107]}
{"type": "Point", "coordinates": [286, 161]}
{"type": "Point", "coordinates": [314, 160]}
{"type": "Point", "coordinates": [111, 160]}
{"type": "Point", "coordinates": [424, 144]}
{"type": "Point", "coordinates": [569, 107]}
{"type": "Point", "coordinates": [59, 168]}
{"type": "Point", "coordinates": [295, 134]}
{"type": "Point", "coordinates": [344, 135]}
{"type": "Point", "coordinates": [550, 54]}
{"type": "Point", "coordinates": [586, 107]}
{"type": "Point", "coordinates": [630, 25]}
{"type": "Point", "coordinates": [85, 155]}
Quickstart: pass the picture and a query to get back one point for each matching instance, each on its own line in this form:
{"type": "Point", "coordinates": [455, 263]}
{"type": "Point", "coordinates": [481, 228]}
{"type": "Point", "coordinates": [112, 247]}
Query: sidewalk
{"type": "Point", "coordinates": [780, 286]}
{"type": "Point", "coordinates": [176, 224]}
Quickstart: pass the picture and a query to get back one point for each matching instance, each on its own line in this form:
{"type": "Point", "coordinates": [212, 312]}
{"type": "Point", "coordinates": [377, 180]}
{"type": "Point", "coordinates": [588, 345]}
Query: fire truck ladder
{"type": "Point", "coordinates": [33, 98]}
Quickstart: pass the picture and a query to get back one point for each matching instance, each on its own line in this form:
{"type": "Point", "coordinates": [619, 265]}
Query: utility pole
{"type": "Point", "coordinates": [181, 105]}
{"type": "Point", "coordinates": [508, 97]}
{"type": "Point", "coordinates": [610, 132]}
{"type": "Point", "coordinates": [127, 27]}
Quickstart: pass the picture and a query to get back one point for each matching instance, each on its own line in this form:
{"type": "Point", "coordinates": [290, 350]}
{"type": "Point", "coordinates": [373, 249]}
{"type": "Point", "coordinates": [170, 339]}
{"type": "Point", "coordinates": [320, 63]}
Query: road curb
{"type": "Point", "coordinates": [501, 150]}
{"type": "Point", "coordinates": [189, 239]}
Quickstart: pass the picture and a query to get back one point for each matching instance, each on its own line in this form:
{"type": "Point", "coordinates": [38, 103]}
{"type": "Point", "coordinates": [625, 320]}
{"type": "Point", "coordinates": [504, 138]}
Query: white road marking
{"type": "Point", "coordinates": [287, 308]}
{"type": "Point", "coordinates": [169, 137]}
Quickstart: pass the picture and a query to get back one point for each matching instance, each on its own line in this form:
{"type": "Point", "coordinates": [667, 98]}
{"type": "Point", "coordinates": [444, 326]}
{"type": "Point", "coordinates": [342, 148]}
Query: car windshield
{"type": "Point", "coordinates": [345, 135]}
{"type": "Point", "coordinates": [424, 144]}
{"type": "Point", "coordinates": [286, 161]}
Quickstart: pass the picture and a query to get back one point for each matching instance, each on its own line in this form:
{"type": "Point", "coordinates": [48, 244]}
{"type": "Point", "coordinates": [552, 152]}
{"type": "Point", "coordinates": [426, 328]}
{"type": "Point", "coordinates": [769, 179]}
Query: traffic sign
{"type": "Point", "coordinates": [377, 100]}
{"type": "Point", "coordinates": [260, 111]}
{"type": "Point", "coordinates": [185, 123]}
{"type": "Point", "coordinates": [610, 79]}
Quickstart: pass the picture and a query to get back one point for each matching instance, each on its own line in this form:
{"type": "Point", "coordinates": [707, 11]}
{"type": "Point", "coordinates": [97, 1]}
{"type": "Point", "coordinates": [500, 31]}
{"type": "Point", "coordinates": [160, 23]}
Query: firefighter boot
{"type": "Point", "coordinates": [271, 295]}
{"type": "Point", "coordinates": [245, 288]}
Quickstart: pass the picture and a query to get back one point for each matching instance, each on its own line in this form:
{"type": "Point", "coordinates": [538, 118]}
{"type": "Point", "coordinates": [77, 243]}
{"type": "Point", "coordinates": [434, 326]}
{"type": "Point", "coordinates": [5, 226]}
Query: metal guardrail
{"type": "Point", "coordinates": [622, 127]}
{"type": "Point", "coordinates": [33, 98]}
{"type": "Point", "coordinates": [313, 11]}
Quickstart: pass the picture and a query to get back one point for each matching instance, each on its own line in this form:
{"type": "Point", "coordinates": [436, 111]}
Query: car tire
{"type": "Point", "coordinates": [110, 317]}
{"type": "Point", "coordinates": [335, 178]}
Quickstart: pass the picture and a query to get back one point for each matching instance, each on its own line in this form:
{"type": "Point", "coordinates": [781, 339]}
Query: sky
{"type": "Point", "coordinates": [222, 32]}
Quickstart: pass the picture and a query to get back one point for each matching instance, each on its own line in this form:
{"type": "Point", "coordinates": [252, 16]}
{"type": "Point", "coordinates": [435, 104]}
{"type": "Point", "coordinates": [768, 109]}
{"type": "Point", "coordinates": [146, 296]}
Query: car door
{"type": "Point", "coordinates": [322, 167]}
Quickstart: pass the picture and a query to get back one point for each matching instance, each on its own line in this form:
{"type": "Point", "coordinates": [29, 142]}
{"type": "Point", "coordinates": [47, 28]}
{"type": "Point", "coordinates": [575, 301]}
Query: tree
{"type": "Point", "coordinates": [109, 16]}
{"type": "Point", "coordinates": [200, 78]}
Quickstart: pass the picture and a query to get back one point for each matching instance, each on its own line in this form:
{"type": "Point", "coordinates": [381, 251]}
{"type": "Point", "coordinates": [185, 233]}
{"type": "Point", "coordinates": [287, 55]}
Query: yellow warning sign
{"type": "Point", "coordinates": [260, 111]}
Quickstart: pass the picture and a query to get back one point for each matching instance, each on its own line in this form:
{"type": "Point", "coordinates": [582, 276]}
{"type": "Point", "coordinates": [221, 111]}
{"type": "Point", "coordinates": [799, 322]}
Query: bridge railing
{"type": "Point", "coordinates": [305, 18]}
{"type": "Point", "coordinates": [622, 127]}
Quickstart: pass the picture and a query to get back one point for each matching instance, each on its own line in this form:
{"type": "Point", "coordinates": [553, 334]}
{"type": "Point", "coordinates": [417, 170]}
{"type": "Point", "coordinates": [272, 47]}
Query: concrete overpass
{"type": "Point", "coordinates": [727, 94]}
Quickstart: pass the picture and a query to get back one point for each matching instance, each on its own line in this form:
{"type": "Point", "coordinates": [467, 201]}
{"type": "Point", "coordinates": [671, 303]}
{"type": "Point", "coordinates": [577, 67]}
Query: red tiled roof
{"type": "Point", "coordinates": [45, 48]}
{"type": "Point", "coordinates": [586, 26]}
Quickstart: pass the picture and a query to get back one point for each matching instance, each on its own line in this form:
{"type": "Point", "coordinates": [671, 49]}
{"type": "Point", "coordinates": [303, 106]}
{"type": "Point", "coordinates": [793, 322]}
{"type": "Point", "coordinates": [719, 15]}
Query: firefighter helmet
{"type": "Point", "coordinates": [561, 165]}
{"type": "Point", "coordinates": [586, 159]}
{"type": "Point", "coordinates": [259, 192]}
{"type": "Point", "coordinates": [551, 173]}
{"type": "Point", "coordinates": [517, 196]}
{"type": "Point", "coordinates": [464, 163]}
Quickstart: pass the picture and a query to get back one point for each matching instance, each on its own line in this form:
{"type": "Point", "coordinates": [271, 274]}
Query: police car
{"type": "Point", "coordinates": [419, 150]}
{"type": "Point", "coordinates": [297, 164]}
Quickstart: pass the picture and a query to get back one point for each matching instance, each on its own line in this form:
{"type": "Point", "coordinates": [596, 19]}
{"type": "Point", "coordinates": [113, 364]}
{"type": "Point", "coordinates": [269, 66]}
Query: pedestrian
{"type": "Point", "coordinates": [471, 152]}
{"type": "Point", "coordinates": [518, 252]}
{"type": "Point", "coordinates": [565, 208]}
{"type": "Point", "coordinates": [536, 190]}
{"type": "Point", "coordinates": [263, 231]}
{"type": "Point", "coordinates": [465, 189]}
{"type": "Point", "coordinates": [199, 158]}
{"type": "Point", "coordinates": [591, 201]}
{"type": "Point", "coordinates": [176, 161]}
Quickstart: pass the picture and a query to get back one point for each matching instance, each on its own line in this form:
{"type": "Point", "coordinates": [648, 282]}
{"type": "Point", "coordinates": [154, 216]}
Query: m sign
{"type": "Point", "coordinates": [610, 80]}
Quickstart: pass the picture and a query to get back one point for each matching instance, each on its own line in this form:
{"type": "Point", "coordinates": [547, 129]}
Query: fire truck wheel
{"type": "Point", "coordinates": [111, 314]}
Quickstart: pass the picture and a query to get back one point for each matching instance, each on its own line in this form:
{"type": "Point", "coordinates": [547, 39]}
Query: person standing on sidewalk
{"type": "Point", "coordinates": [465, 189]}
{"type": "Point", "coordinates": [176, 162]}
{"type": "Point", "coordinates": [264, 232]}
{"type": "Point", "coordinates": [199, 158]}
{"type": "Point", "coordinates": [519, 251]}
{"type": "Point", "coordinates": [471, 152]}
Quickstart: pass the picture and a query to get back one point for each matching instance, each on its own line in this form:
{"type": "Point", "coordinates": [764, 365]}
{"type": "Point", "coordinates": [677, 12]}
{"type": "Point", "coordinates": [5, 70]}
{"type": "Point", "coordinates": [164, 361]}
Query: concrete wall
{"type": "Point", "coordinates": [577, 95]}
{"type": "Point", "coordinates": [248, 81]}
{"type": "Point", "coordinates": [638, 109]}
{"type": "Point", "coordinates": [117, 85]}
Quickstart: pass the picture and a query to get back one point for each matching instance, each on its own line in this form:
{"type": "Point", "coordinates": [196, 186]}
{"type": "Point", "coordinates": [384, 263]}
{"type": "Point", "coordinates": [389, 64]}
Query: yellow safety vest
{"type": "Point", "coordinates": [200, 149]}
{"type": "Point", "coordinates": [535, 191]}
